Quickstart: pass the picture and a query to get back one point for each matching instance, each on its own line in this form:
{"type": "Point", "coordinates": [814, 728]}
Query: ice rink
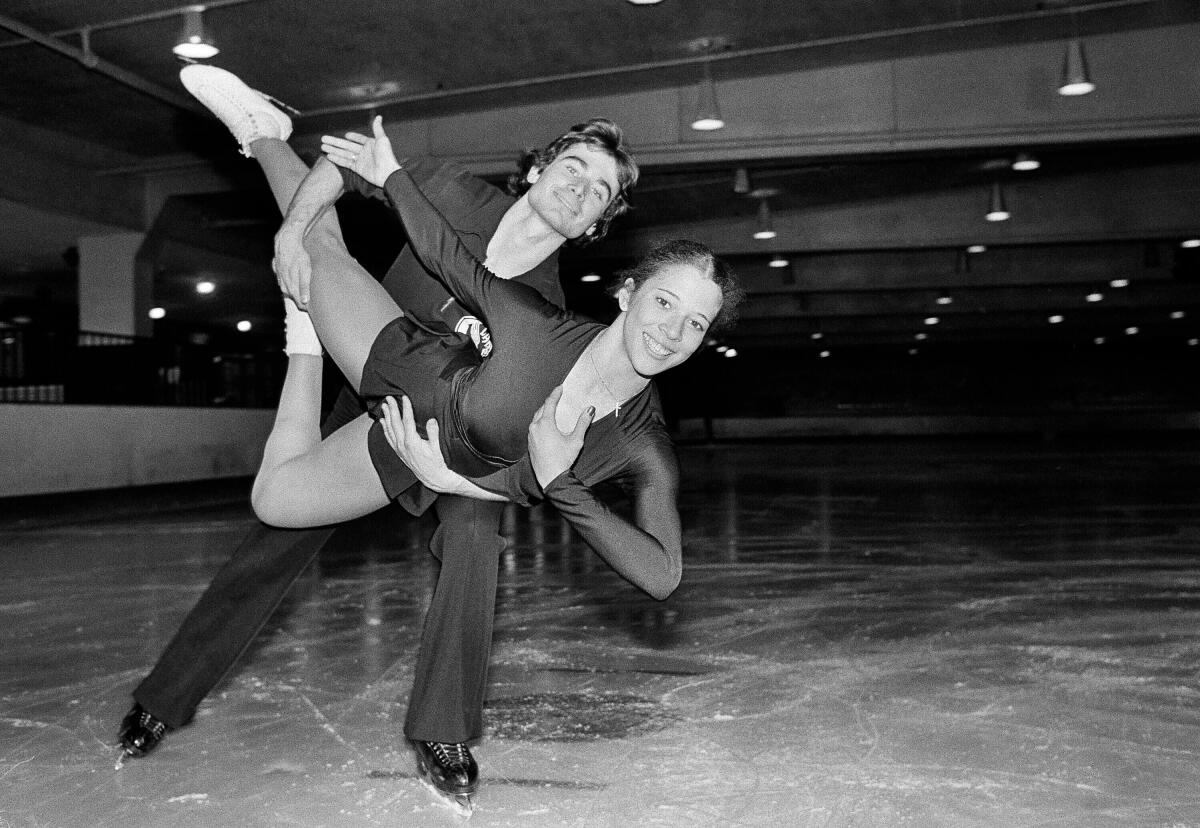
{"type": "Point", "coordinates": [871, 633]}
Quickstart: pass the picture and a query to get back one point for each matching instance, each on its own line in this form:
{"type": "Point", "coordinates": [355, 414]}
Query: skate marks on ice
{"type": "Point", "coordinates": [578, 716]}
{"type": "Point", "coordinates": [485, 783]}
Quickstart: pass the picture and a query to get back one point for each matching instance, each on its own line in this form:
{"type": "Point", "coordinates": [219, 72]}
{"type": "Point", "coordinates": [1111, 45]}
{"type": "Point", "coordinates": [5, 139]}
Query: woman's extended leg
{"type": "Point", "coordinates": [352, 307]}
{"type": "Point", "coordinates": [348, 307]}
{"type": "Point", "coordinates": [304, 480]}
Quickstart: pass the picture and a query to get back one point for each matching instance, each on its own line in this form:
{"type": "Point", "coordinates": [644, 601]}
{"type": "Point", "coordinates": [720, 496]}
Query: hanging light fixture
{"type": "Point", "coordinates": [1075, 79]}
{"type": "Point", "coordinates": [996, 209]}
{"type": "Point", "coordinates": [195, 43]}
{"type": "Point", "coordinates": [765, 228]}
{"type": "Point", "coordinates": [741, 181]}
{"type": "Point", "coordinates": [708, 113]}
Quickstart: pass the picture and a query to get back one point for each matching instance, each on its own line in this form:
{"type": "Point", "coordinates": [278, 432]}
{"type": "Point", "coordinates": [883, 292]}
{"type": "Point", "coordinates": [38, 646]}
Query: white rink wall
{"type": "Point", "coordinates": [64, 448]}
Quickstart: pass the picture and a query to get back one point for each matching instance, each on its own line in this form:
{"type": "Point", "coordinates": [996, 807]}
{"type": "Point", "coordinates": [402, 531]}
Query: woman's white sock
{"type": "Point", "coordinates": [300, 337]}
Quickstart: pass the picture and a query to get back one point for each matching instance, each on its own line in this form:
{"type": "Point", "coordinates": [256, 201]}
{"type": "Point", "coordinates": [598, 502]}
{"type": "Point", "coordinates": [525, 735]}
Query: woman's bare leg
{"type": "Point", "coordinates": [348, 307]}
{"type": "Point", "coordinates": [282, 167]}
{"type": "Point", "coordinates": [304, 481]}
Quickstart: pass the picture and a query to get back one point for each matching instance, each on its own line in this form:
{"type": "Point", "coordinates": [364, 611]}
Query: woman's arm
{"type": "Point", "coordinates": [430, 235]}
{"type": "Point", "coordinates": [647, 552]}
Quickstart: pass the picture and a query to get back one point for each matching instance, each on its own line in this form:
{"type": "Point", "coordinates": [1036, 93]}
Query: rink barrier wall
{"type": "Point", "coordinates": [65, 448]}
{"type": "Point", "coordinates": [56, 448]}
{"type": "Point", "coordinates": [891, 425]}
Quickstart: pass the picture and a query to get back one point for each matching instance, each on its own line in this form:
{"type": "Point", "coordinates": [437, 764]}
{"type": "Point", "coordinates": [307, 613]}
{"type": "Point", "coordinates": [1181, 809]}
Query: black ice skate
{"type": "Point", "coordinates": [450, 770]}
{"type": "Point", "coordinates": [140, 733]}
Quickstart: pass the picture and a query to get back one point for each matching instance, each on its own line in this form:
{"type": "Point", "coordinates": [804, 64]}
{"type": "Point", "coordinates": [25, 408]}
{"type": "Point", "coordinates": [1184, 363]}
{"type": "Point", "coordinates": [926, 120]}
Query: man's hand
{"type": "Point", "coordinates": [292, 265]}
{"type": "Point", "coordinates": [551, 451]}
{"type": "Point", "coordinates": [423, 456]}
{"type": "Point", "coordinates": [372, 157]}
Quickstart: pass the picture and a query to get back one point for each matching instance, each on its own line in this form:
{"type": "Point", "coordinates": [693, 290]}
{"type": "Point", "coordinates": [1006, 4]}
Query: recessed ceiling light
{"type": "Point", "coordinates": [205, 287]}
{"type": "Point", "coordinates": [1178, 314]}
{"type": "Point", "coordinates": [731, 352]}
{"type": "Point", "coordinates": [824, 354]}
{"type": "Point", "coordinates": [157, 313]}
{"type": "Point", "coordinates": [1099, 340]}
{"type": "Point", "coordinates": [1190, 243]}
{"type": "Point", "coordinates": [244, 325]}
{"type": "Point", "coordinates": [1131, 330]}
{"type": "Point", "coordinates": [931, 320]}
{"type": "Point", "coordinates": [1119, 283]}
{"type": "Point", "coordinates": [778, 261]}
{"type": "Point", "coordinates": [977, 248]}
{"type": "Point", "coordinates": [1095, 297]}
{"type": "Point", "coordinates": [818, 335]}
{"type": "Point", "coordinates": [921, 337]}
{"type": "Point", "coordinates": [590, 277]}
{"type": "Point", "coordinates": [722, 349]}
{"type": "Point", "coordinates": [1055, 318]}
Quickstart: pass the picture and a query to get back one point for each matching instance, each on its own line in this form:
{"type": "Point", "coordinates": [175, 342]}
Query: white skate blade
{"type": "Point", "coordinates": [461, 804]}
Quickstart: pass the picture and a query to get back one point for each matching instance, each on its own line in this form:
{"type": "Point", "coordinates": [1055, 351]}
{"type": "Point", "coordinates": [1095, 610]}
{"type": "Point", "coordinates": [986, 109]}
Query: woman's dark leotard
{"type": "Point", "coordinates": [484, 410]}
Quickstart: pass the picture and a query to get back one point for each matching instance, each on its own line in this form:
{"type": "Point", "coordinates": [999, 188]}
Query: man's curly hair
{"type": "Point", "coordinates": [602, 134]}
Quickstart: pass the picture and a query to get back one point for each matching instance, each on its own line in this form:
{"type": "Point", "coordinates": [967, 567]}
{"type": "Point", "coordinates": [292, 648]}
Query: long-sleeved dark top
{"type": "Point", "coordinates": [486, 408]}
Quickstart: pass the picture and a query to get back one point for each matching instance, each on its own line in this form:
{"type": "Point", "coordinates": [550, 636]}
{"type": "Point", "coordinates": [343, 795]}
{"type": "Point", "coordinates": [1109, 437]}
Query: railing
{"type": "Point", "coordinates": [84, 368]}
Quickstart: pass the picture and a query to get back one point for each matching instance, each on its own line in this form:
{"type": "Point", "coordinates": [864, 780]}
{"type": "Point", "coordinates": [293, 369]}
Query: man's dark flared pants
{"type": "Point", "coordinates": [446, 704]}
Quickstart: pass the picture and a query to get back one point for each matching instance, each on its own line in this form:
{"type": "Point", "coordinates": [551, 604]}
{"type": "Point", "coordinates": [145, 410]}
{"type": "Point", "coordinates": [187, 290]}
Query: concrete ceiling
{"type": "Point", "coordinates": [878, 127]}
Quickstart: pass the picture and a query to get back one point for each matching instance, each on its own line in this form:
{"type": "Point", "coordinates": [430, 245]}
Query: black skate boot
{"type": "Point", "coordinates": [451, 771]}
{"type": "Point", "coordinates": [140, 733]}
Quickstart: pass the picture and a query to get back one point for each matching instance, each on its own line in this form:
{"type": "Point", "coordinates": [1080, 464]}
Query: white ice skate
{"type": "Point", "coordinates": [247, 113]}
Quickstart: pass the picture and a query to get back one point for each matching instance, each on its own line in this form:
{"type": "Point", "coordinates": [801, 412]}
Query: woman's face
{"type": "Point", "coordinates": [667, 316]}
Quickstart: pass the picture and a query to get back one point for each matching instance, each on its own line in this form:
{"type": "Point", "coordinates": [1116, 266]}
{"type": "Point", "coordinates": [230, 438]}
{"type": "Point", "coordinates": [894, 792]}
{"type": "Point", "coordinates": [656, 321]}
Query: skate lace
{"type": "Point", "coordinates": [153, 725]}
{"type": "Point", "coordinates": [450, 755]}
{"type": "Point", "coordinates": [295, 113]}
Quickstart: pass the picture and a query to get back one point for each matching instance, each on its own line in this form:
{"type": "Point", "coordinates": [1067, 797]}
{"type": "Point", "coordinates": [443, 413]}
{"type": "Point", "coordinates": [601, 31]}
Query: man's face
{"type": "Point", "coordinates": [573, 191]}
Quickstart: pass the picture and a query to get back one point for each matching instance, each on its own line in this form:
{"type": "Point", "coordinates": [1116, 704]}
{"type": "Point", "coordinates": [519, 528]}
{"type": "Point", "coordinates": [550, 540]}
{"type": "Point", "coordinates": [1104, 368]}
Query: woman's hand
{"type": "Point", "coordinates": [551, 451]}
{"type": "Point", "coordinates": [423, 456]}
{"type": "Point", "coordinates": [372, 158]}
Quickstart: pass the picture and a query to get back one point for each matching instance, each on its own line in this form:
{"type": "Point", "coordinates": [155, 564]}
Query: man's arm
{"type": "Point", "coordinates": [318, 192]}
{"type": "Point", "coordinates": [424, 456]}
{"type": "Point", "coordinates": [551, 453]}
